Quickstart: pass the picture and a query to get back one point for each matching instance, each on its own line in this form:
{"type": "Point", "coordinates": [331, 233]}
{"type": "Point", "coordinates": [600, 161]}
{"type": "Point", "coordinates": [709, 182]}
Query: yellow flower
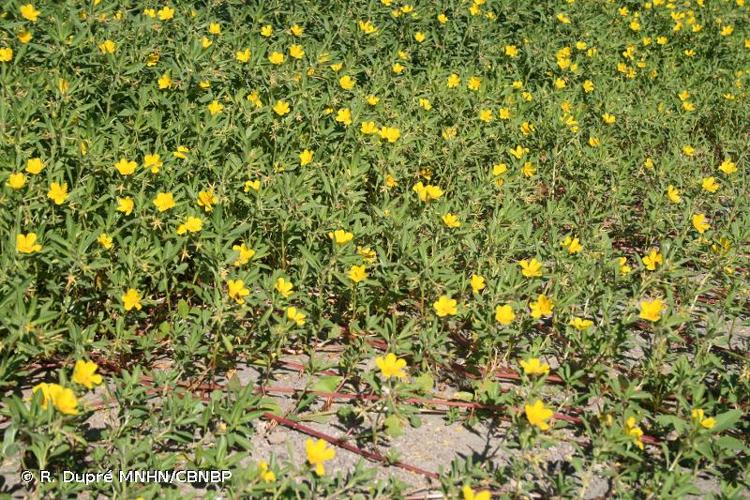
{"type": "Point", "coordinates": [305, 157]}
{"type": "Point", "coordinates": [125, 205]}
{"type": "Point", "coordinates": [445, 306]}
{"type": "Point", "coordinates": [84, 373]}
{"type": "Point", "coordinates": [572, 244]}
{"type": "Point", "coordinates": [276, 58]}
{"type": "Point", "coordinates": [16, 180]}
{"type": "Point", "coordinates": [46, 396]}
{"type": "Point", "coordinates": [367, 254]}
{"type": "Point", "coordinates": [709, 184]}
{"type": "Point", "coordinates": [367, 27]}
{"type": "Point", "coordinates": [632, 430]}
{"type": "Point", "coordinates": [58, 193]}
{"type": "Point", "coordinates": [451, 220]}
{"type": "Point", "coordinates": [531, 269]}
{"type": "Point", "coordinates": [164, 201]}
{"type": "Point", "coordinates": [284, 287]}
{"type": "Point", "coordinates": [425, 104]}
{"type": "Point", "coordinates": [191, 224]}
{"type": "Point", "coordinates": [390, 134]}
{"type": "Point", "coordinates": [207, 200]}
{"type": "Point", "coordinates": [152, 59]}
{"type": "Point", "coordinates": [215, 107]}
{"type": "Point", "coordinates": [181, 152]}
{"type": "Point", "coordinates": [453, 81]}
{"type": "Point", "coordinates": [318, 452]}
{"type": "Point", "coordinates": [391, 366]}
{"type": "Point", "coordinates": [105, 240]}
{"type": "Point", "coordinates": [254, 185]}
{"type": "Point", "coordinates": [107, 47]}
{"type": "Point", "coordinates": [341, 236]}
{"type": "Point", "coordinates": [125, 166]}
{"type": "Point", "coordinates": [518, 152]}
{"type": "Point", "coordinates": [357, 273]}
{"type": "Point", "coordinates": [34, 165]}
{"type": "Point", "coordinates": [26, 243]}
{"type": "Point", "coordinates": [442, 18]}
{"type": "Point", "coordinates": [608, 118]}
{"type": "Point", "coordinates": [131, 299]}
{"type": "Point", "coordinates": [206, 42]}
{"type": "Point", "coordinates": [470, 494]}
{"type": "Point", "coordinates": [254, 97]}
{"type": "Point", "coordinates": [237, 291]}
{"type": "Point", "coordinates": [25, 36]}
{"type": "Point", "coordinates": [581, 324]}
{"type": "Point", "coordinates": [346, 82]}
{"type": "Point", "coordinates": [728, 166]}
{"type": "Point", "coordinates": [372, 100]}
{"type": "Point", "coordinates": [266, 475]}
{"type": "Point", "coordinates": [153, 161]}
{"type": "Point", "coordinates": [296, 51]}
{"type": "Point", "coordinates": [244, 254]}
{"type": "Point", "coordinates": [281, 108]}
{"type": "Point", "coordinates": [427, 193]}
{"type": "Point", "coordinates": [449, 133]}
{"type": "Point", "coordinates": [504, 114]}
{"type": "Point", "coordinates": [474, 83]}
{"type": "Point", "coordinates": [6, 54]}
{"type": "Point", "coordinates": [688, 150]}
{"type": "Point", "coordinates": [699, 417]}
{"type": "Point", "coordinates": [673, 194]}
{"type": "Point", "coordinates": [419, 37]}
{"type": "Point", "coordinates": [499, 169]}
{"type": "Point", "coordinates": [398, 68]}
{"type": "Point", "coordinates": [29, 13]}
{"type": "Point", "coordinates": [537, 414]}
{"type": "Point", "coordinates": [504, 314]}
{"type": "Point", "coordinates": [511, 51]}
{"type": "Point", "coordinates": [653, 259]}
{"type": "Point", "coordinates": [477, 283]}
{"type": "Point", "coordinates": [344, 116]}
{"type": "Point", "coordinates": [242, 56]}
{"type": "Point", "coordinates": [368, 128]}
{"type": "Point", "coordinates": [543, 306]}
{"type": "Point", "coordinates": [266, 30]}
{"type": "Point", "coordinates": [485, 115]}
{"type": "Point", "coordinates": [700, 224]}
{"type": "Point", "coordinates": [533, 366]}
{"type": "Point", "coordinates": [293, 314]}
{"type": "Point", "coordinates": [62, 398]}
{"type": "Point", "coordinates": [165, 13]}
{"type": "Point", "coordinates": [651, 310]}
{"type": "Point", "coordinates": [214, 28]}
{"type": "Point", "coordinates": [622, 262]}
{"type": "Point", "coordinates": [588, 86]}
{"type": "Point", "coordinates": [297, 30]}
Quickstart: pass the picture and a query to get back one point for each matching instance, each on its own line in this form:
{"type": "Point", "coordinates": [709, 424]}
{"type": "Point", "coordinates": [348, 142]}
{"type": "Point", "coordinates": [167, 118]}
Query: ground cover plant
{"type": "Point", "coordinates": [519, 218]}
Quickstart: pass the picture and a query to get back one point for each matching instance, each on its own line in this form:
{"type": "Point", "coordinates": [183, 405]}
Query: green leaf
{"type": "Point", "coordinates": [726, 420]}
{"type": "Point", "coordinates": [730, 443]}
{"type": "Point", "coordinates": [424, 382]}
{"type": "Point", "coordinates": [327, 383]}
{"type": "Point", "coordinates": [393, 426]}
